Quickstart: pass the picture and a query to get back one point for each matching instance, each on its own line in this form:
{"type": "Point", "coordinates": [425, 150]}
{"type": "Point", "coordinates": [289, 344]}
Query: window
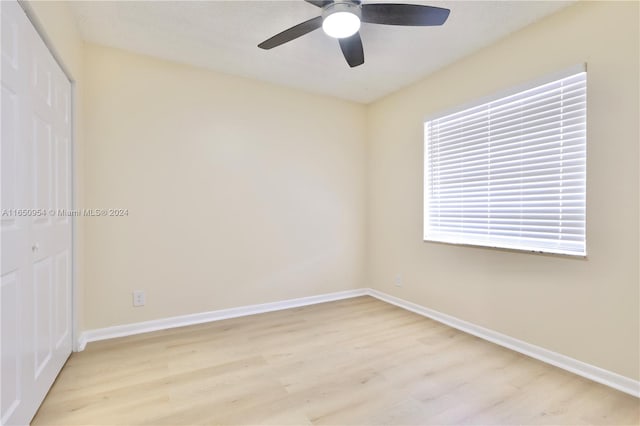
{"type": "Point", "coordinates": [511, 173]}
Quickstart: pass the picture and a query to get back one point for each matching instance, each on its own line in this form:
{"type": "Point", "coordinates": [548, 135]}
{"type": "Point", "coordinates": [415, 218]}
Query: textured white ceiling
{"type": "Point", "coordinates": [223, 35]}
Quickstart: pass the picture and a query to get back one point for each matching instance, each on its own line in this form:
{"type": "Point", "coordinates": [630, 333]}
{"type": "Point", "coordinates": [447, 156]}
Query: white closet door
{"type": "Point", "coordinates": [36, 249]}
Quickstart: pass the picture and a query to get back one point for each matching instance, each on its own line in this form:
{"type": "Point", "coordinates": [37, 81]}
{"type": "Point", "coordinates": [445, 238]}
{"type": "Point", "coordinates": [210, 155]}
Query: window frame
{"type": "Point", "coordinates": [549, 78]}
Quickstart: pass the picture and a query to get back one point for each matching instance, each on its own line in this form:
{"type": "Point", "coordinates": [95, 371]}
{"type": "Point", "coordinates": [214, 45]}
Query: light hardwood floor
{"type": "Point", "coordinates": [358, 361]}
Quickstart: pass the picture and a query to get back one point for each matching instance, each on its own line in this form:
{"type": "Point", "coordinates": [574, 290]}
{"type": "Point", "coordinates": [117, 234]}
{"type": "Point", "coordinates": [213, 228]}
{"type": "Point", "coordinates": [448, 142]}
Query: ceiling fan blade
{"type": "Point", "coordinates": [404, 14]}
{"type": "Point", "coordinates": [292, 33]}
{"type": "Point", "coordinates": [319, 3]}
{"type": "Point", "coordinates": [352, 50]}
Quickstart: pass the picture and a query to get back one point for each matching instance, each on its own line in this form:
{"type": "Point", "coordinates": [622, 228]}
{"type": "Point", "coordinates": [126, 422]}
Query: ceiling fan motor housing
{"type": "Point", "coordinates": [342, 6]}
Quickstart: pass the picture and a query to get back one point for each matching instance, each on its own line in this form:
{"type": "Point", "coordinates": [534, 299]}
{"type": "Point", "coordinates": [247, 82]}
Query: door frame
{"type": "Point", "coordinates": [31, 16]}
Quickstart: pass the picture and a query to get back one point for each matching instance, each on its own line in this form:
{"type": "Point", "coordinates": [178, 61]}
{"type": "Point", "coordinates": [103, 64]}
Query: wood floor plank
{"type": "Point", "coordinates": [351, 362]}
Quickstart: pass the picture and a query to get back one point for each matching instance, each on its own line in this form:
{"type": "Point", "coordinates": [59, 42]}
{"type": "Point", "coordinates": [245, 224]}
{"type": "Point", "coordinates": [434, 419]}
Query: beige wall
{"type": "Point", "coordinates": [56, 24]}
{"type": "Point", "coordinates": [239, 192]}
{"type": "Point", "coordinates": [586, 309]}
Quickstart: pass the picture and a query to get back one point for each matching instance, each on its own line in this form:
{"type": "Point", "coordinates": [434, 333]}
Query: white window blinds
{"type": "Point", "coordinates": [511, 173]}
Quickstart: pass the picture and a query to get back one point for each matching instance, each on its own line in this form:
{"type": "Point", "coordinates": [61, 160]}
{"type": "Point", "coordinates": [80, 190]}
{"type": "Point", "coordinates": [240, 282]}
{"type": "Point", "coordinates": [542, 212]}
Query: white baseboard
{"type": "Point", "coordinates": [580, 368]}
{"type": "Point", "coordinates": [203, 317]}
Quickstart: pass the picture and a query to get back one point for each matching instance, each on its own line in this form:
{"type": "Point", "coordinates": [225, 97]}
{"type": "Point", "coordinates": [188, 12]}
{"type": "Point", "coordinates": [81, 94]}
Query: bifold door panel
{"type": "Point", "coordinates": [36, 239]}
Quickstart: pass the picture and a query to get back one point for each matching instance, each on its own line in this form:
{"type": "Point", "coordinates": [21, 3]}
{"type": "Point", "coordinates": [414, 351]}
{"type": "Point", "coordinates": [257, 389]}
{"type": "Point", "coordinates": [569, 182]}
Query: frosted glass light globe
{"type": "Point", "coordinates": [341, 24]}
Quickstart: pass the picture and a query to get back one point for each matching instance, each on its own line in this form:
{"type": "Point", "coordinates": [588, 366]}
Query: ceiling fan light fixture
{"type": "Point", "coordinates": [341, 20]}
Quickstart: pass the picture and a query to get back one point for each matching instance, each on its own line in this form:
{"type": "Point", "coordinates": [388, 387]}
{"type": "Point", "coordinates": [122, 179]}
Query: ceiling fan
{"type": "Point", "coordinates": [341, 19]}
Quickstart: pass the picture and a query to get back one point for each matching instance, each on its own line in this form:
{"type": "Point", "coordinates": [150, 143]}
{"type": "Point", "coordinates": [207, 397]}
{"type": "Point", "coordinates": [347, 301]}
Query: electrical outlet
{"type": "Point", "coordinates": [398, 280]}
{"type": "Point", "coordinates": [138, 298]}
